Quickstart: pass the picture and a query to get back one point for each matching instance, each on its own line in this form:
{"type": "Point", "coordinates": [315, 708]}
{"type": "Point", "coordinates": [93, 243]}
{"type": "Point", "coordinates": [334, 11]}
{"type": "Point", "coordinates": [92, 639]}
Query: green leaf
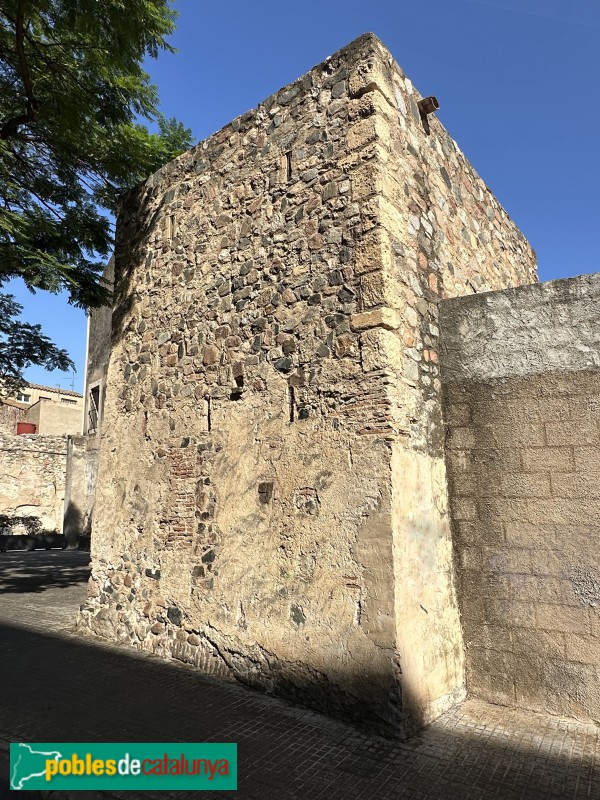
{"type": "Point", "coordinates": [72, 90]}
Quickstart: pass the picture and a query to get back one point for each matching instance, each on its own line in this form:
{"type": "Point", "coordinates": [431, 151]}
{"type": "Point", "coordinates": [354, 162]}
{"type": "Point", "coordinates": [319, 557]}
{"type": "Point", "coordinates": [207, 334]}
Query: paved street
{"type": "Point", "coordinates": [57, 686]}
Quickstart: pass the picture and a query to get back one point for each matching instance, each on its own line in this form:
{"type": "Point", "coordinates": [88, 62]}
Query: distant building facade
{"type": "Point", "coordinates": [53, 411]}
{"type": "Point", "coordinates": [35, 425]}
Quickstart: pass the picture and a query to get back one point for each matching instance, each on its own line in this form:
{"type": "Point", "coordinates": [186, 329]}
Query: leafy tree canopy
{"type": "Point", "coordinates": [71, 91]}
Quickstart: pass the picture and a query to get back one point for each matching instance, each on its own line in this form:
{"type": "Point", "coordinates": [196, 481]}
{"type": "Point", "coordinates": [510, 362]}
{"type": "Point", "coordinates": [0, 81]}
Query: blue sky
{"type": "Point", "coordinates": [517, 82]}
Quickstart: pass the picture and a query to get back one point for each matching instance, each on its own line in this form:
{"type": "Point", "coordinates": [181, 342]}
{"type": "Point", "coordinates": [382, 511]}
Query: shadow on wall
{"type": "Point", "coordinates": [372, 693]}
{"type": "Point", "coordinates": [311, 753]}
{"type": "Point", "coordinates": [26, 533]}
{"type": "Point", "coordinates": [73, 525]}
{"type": "Point", "coordinates": [510, 661]}
{"type": "Point", "coordinates": [125, 292]}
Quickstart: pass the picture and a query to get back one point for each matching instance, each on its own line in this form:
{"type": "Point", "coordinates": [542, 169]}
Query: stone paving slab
{"type": "Point", "coordinates": [58, 686]}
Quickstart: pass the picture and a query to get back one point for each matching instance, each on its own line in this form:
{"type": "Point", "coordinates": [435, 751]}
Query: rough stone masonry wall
{"type": "Point", "coordinates": [32, 478]}
{"type": "Point", "coordinates": [521, 374]}
{"type": "Point", "coordinates": [9, 416]}
{"type": "Point", "coordinates": [263, 403]}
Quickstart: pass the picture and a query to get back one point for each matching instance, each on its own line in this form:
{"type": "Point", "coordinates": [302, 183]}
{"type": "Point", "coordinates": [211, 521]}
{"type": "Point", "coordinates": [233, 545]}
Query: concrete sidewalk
{"type": "Point", "coordinates": [58, 686]}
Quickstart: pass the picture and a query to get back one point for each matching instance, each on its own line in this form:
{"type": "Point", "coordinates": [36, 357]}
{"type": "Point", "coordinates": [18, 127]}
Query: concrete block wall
{"type": "Point", "coordinates": [521, 374]}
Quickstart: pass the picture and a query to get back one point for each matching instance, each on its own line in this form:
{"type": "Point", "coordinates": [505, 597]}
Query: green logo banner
{"type": "Point", "coordinates": [75, 765]}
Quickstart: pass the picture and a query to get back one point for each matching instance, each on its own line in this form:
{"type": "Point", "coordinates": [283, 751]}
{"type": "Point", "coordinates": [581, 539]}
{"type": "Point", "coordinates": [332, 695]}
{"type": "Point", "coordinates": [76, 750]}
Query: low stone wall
{"type": "Point", "coordinates": [32, 478]}
{"type": "Point", "coordinates": [521, 374]}
{"type": "Point", "coordinates": [9, 416]}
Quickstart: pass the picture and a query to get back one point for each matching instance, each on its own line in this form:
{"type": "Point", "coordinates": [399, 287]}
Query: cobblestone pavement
{"type": "Point", "coordinates": [57, 686]}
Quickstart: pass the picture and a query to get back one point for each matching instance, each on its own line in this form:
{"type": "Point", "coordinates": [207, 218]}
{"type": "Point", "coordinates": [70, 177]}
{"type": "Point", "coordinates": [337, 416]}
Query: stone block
{"type": "Point", "coordinates": [548, 459]}
{"type": "Point", "coordinates": [373, 252]}
{"type": "Point", "coordinates": [388, 318]}
{"type": "Point", "coordinates": [582, 648]}
{"type": "Point", "coordinates": [464, 508]}
{"type": "Point", "coordinates": [571, 433]}
{"type": "Point", "coordinates": [461, 438]}
{"type": "Point", "coordinates": [380, 289]}
{"type": "Point", "coordinates": [380, 349]}
{"type": "Point", "coordinates": [571, 619]}
{"type": "Point", "coordinates": [530, 535]}
{"type": "Point", "coordinates": [525, 485]}
{"type": "Point", "coordinates": [544, 644]}
{"type": "Point", "coordinates": [587, 459]}
{"type": "Point", "coordinates": [499, 611]}
{"type": "Point", "coordinates": [457, 414]}
{"type": "Point", "coordinates": [570, 485]}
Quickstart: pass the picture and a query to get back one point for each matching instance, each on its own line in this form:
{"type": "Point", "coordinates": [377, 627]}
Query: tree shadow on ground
{"type": "Point", "coordinates": [98, 693]}
{"type": "Point", "coordinates": [33, 572]}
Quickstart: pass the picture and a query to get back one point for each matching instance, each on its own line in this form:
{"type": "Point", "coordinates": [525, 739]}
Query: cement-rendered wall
{"type": "Point", "coordinates": [83, 451]}
{"type": "Point", "coordinates": [80, 488]}
{"type": "Point", "coordinates": [98, 356]}
{"type": "Point", "coordinates": [55, 419]}
{"type": "Point", "coordinates": [32, 478]}
{"type": "Point", "coordinates": [272, 498]}
{"type": "Point", "coordinates": [521, 374]}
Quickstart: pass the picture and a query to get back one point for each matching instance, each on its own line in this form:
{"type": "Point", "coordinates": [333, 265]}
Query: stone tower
{"type": "Point", "coordinates": [272, 497]}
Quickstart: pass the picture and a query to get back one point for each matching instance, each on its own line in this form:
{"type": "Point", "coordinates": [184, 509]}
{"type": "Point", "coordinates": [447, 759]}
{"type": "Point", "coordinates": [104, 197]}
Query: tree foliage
{"type": "Point", "coordinates": [72, 89]}
{"type": "Point", "coordinates": [22, 344]}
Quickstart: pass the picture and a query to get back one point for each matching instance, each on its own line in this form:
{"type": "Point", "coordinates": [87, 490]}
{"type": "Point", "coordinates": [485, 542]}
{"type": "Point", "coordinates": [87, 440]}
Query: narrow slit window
{"type": "Point", "coordinates": [94, 408]}
{"type": "Point", "coordinates": [170, 226]}
{"type": "Point", "coordinates": [236, 392]}
{"type": "Point", "coordinates": [207, 413]}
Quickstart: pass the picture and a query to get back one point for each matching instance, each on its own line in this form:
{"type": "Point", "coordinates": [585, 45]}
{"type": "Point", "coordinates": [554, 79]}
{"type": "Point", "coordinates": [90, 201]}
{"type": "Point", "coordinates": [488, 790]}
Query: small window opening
{"type": "Point", "coordinates": [94, 408]}
{"type": "Point", "coordinates": [170, 226]}
{"type": "Point", "coordinates": [207, 411]}
{"type": "Point", "coordinates": [288, 166]}
{"type": "Point", "coordinates": [238, 377]}
{"type": "Point", "coordinates": [265, 492]}
{"type": "Point", "coordinates": [236, 393]}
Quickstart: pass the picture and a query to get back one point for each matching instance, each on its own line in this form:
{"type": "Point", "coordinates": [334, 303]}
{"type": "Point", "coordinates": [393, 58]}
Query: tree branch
{"type": "Point", "coordinates": [11, 126]}
{"type": "Point", "coordinates": [20, 42]}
